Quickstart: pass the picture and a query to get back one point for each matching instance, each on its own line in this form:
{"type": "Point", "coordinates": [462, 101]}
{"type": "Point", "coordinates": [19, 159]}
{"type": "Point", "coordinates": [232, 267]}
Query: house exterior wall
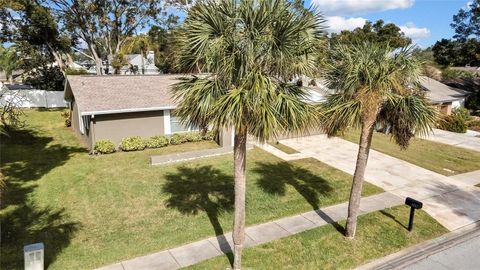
{"type": "Point", "coordinates": [85, 137]}
{"type": "Point", "coordinates": [458, 103]}
{"type": "Point", "coordinates": [115, 127]}
{"type": "Point", "coordinates": [445, 108]}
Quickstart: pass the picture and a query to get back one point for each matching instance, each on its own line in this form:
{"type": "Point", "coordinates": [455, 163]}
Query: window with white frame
{"type": "Point", "coordinates": [177, 126]}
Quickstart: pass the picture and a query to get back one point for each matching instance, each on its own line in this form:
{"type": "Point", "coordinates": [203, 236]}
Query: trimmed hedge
{"type": "Point", "coordinates": [137, 143]}
{"type": "Point", "coordinates": [209, 136]}
{"type": "Point", "coordinates": [193, 137]}
{"type": "Point", "coordinates": [134, 143]}
{"type": "Point", "coordinates": [178, 138]}
{"type": "Point", "coordinates": [104, 147]}
{"type": "Point", "coordinates": [157, 142]}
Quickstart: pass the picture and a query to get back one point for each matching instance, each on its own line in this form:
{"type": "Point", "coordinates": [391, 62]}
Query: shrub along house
{"type": "Point", "coordinates": [115, 107]}
{"type": "Point", "coordinates": [445, 97]}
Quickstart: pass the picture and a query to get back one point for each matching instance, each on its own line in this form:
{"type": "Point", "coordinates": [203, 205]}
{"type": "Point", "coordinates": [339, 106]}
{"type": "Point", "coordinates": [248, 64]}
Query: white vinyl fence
{"type": "Point", "coordinates": [34, 98]}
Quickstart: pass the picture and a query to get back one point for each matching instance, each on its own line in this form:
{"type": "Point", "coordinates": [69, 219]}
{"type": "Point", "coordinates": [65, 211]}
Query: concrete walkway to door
{"type": "Point", "coordinates": [452, 202]}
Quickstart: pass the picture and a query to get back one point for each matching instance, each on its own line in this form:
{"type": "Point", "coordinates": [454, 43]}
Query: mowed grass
{"type": "Point", "coordinates": [91, 211]}
{"type": "Point", "coordinates": [283, 148]}
{"type": "Point", "coordinates": [438, 157]}
{"type": "Point", "coordinates": [378, 234]}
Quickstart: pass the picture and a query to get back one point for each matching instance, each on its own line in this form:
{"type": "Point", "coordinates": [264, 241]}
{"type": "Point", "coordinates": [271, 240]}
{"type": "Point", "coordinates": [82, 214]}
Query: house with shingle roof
{"type": "Point", "coordinates": [445, 97]}
{"type": "Point", "coordinates": [115, 107]}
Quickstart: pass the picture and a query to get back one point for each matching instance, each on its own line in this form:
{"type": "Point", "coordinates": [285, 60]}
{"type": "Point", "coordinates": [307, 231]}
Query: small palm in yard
{"type": "Point", "coordinates": [249, 49]}
{"type": "Point", "coordinates": [374, 86]}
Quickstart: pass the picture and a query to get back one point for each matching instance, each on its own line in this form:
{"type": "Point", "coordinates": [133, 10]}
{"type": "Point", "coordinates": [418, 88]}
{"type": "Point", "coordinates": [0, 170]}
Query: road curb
{"type": "Point", "coordinates": [420, 251]}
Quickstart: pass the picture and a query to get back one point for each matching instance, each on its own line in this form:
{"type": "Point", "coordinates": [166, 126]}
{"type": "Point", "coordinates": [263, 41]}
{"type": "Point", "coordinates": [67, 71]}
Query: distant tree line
{"type": "Point", "coordinates": [464, 48]}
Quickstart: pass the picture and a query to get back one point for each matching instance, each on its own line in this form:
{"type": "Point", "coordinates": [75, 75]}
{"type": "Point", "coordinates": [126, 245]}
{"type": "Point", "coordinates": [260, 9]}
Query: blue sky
{"type": "Point", "coordinates": [425, 21]}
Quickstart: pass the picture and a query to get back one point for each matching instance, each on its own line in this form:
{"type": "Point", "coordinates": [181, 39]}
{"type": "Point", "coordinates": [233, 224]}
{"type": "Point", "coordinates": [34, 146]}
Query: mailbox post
{"type": "Point", "coordinates": [414, 204]}
{"type": "Point", "coordinates": [33, 255]}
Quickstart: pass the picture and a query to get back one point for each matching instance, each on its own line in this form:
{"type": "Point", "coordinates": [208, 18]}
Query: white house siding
{"type": "Point", "coordinates": [36, 98]}
{"type": "Point", "coordinates": [458, 103]}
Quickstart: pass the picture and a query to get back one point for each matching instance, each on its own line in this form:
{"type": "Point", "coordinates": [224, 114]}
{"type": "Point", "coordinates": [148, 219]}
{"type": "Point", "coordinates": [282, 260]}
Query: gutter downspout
{"type": "Point", "coordinates": [92, 129]}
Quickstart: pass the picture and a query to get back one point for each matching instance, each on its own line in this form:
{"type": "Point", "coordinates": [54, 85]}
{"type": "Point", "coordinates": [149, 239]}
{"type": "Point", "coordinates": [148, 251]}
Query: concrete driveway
{"type": "Point", "coordinates": [469, 140]}
{"type": "Point", "coordinates": [453, 203]}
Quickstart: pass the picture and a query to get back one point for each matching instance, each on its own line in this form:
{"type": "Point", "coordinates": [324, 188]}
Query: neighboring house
{"type": "Point", "coordinates": [446, 97]}
{"type": "Point", "coordinates": [135, 60]}
{"type": "Point", "coordinates": [17, 76]}
{"type": "Point", "coordinates": [468, 69]}
{"type": "Point", "coordinates": [115, 107]}
{"type": "Point", "coordinates": [26, 96]}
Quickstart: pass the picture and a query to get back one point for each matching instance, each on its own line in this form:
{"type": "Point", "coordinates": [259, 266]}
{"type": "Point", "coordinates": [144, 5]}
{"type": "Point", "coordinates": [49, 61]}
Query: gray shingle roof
{"type": "Point", "coordinates": [120, 93]}
{"type": "Point", "coordinates": [438, 92]}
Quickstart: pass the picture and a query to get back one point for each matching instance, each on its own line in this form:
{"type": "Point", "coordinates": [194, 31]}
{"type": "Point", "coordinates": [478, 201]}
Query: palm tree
{"type": "Point", "coordinates": [374, 85]}
{"type": "Point", "coordinates": [141, 42]}
{"type": "Point", "coordinates": [9, 61]}
{"type": "Point", "coordinates": [250, 49]}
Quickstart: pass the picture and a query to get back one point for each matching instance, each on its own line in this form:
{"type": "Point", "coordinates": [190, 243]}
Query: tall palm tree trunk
{"type": "Point", "coordinates": [239, 158]}
{"type": "Point", "coordinates": [142, 54]}
{"type": "Point", "coordinates": [358, 176]}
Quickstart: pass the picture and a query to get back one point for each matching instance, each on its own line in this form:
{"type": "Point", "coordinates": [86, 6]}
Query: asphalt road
{"type": "Point", "coordinates": [464, 256]}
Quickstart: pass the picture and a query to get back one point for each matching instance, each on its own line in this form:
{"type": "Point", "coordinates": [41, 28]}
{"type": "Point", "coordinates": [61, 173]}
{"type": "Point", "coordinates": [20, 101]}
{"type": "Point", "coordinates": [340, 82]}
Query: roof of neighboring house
{"type": "Point", "coordinates": [467, 68]}
{"type": "Point", "coordinates": [438, 92]}
{"type": "Point", "coordinates": [15, 73]}
{"type": "Point", "coordinates": [117, 94]}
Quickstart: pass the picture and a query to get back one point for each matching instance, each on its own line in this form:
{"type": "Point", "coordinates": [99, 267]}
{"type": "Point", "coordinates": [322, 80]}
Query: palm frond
{"type": "Point", "coordinates": [407, 116]}
{"type": "Point", "coordinates": [249, 48]}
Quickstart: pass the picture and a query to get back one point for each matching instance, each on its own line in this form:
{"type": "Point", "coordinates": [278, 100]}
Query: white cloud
{"type": "Point", "coordinates": [414, 32]}
{"type": "Point", "coordinates": [336, 23]}
{"type": "Point", "coordinates": [351, 7]}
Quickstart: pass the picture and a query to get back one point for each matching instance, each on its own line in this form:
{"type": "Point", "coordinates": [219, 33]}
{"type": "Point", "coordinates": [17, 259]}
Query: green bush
{"type": "Point", "coordinates": [157, 142]}
{"type": "Point", "coordinates": [178, 138]}
{"type": "Point", "coordinates": [135, 143]}
{"type": "Point", "coordinates": [67, 118]}
{"type": "Point", "coordinates": [193, 136]}
{"type": "Point", "coordinates": [474, 125]}
{"type": "Point", "coordinates": [449, 73]}
{"type": "Point", "coordinates": [453, 123]}
{"type": "Point", "coordinates": [75, 71]}
{"type": "Point", "coordinates": [209, 136]}
{"type": "Point", "coordinates": [461, 113]}
{"type": "Point", "coordinates": [104, 147]}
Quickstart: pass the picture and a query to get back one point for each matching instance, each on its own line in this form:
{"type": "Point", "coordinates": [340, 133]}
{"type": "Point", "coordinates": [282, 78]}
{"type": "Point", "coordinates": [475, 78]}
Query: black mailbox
{"type": "Point", "coordinates": [413, 203]}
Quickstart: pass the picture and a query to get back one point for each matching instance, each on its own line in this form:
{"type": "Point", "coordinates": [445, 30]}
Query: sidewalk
{"type": "Point", "coordinates": [255, 235]}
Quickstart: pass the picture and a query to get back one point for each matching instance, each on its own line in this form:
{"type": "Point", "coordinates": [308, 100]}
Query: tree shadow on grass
{"type": "Point", "coordinates": [275, 177]}
{"type": "Point", "coordinates": [385, 213]}
{"type": "Point", "coordinates": [202, 189]}
{"type": "Point", "coordinates": [26, 156]}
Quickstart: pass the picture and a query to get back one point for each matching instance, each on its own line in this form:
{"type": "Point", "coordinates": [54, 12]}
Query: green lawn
{"type": "Point", "coordinates": [284, 148]}
{"type": "Point", "coordinates": [95, 210]}
{"type": "Point", "coordinates": [379, 234]}
{"type": "Point", "coordinates": [438, 157]}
